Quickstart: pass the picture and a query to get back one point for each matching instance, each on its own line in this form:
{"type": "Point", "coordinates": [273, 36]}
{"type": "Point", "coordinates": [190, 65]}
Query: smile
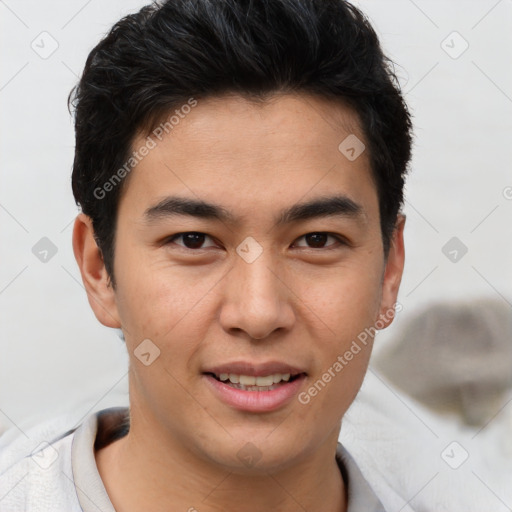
{"type": "Point", "coordinates": [253, 383]}
{"type": "Point", "coordinates": [256, 388]}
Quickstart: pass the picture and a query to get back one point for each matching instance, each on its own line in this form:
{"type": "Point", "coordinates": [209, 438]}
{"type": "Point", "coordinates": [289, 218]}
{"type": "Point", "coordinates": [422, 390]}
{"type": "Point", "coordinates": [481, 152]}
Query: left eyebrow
{"type": "Point", "coordinates": [340, 206]}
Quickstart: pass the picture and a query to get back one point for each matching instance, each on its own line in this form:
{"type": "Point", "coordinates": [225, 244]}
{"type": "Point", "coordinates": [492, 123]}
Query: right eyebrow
{"type": "Point", "coordinates": [174, 206]}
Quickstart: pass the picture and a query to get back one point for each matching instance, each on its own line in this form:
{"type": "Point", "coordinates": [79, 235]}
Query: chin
{"type": "Point", "coordinates": [259, 452]}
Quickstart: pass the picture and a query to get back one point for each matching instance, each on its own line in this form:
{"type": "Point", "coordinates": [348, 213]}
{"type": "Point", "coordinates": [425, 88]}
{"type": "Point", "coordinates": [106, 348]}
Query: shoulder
{"type": "Point", "coordinates": [43, 468]}
{"type": "Point", "coordinates": [360, 495]}
{"type": "Point", "coordinates": [52, 467]}
{"type": "Point", "coordinates": [36, 474]}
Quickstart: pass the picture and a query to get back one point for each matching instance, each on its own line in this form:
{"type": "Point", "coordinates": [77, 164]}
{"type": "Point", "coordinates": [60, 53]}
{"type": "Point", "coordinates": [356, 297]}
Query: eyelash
{"type": "Point", "coordinates": [341, 241]}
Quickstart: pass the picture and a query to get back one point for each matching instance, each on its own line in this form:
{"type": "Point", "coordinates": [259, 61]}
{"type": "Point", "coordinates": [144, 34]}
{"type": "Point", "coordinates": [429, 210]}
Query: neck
{"type": "Point", "coordinates": [152, 472]}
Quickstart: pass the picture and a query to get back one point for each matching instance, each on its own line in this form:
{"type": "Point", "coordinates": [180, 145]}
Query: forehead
{"type": "Point", "coordinates": [251, 155]}
{"type": "Point", "coordinates": [244, 125]}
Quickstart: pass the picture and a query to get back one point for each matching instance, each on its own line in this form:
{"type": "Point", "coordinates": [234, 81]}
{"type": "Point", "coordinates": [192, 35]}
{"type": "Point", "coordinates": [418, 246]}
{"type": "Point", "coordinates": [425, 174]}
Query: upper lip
{"type": "Point", "coordinates": [254, 369]}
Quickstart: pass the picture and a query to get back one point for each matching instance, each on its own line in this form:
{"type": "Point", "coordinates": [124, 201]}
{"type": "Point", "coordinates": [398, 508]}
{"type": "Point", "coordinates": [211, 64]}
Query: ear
{"type": "Point", "coordinates": [100, 292]}
{"type": "Point", "coordinates": [392, 274]}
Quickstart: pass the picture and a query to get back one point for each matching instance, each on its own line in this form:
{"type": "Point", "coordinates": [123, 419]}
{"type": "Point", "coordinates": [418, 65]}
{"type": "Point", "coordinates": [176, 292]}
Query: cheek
{"type": "Point", "coordinates": [173, 310]}
{"type": "Point", "coordinates": [345, 299]}
{"type": "Point", "coordinates": [330, 392]}
{"type": "Point", "coordinates": [345, 313]}
{"type": "Point", "coordinates": [346, 306]}
{"type": "Point", "coordinates": [164, 303]}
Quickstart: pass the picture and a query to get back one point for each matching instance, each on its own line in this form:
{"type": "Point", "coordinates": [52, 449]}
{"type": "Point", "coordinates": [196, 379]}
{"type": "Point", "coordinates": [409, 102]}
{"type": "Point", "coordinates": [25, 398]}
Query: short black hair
{"type": "Point", "coordinates": [165, 54]}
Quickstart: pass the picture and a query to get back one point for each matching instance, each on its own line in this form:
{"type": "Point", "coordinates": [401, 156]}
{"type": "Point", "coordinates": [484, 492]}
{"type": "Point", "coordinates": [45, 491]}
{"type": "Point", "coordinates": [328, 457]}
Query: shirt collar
{"type": "Point", "coordinates": [103, 427]}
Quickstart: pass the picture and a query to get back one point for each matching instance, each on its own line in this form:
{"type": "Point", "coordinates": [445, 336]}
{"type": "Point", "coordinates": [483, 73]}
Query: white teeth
{"type": "Point", "coordinates": [265, 381]}
{"type": "Point", "coordinates": [250, 380]}
{"type": "Point", "coordinates": [247, 380]}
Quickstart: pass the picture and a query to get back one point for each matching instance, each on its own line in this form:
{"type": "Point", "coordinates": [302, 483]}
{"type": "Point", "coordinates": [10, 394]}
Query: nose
{"type": "Point", "coordinates": [257, 299]}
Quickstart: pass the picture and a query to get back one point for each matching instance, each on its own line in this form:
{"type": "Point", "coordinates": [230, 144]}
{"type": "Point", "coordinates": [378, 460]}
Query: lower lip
{"type": "Point", "coordinates": [255, 401]}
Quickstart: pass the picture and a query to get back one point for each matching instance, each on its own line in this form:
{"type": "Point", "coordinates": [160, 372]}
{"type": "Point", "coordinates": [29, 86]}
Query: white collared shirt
{"type": "Point", "coordinates": [61, 475]}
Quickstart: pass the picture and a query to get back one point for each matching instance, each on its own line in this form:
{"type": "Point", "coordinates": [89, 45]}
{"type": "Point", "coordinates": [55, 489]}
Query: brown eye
{"type": "Point", "coordinates": [318, 240]}
{"type": "Point", "coordinates": [191, 240]}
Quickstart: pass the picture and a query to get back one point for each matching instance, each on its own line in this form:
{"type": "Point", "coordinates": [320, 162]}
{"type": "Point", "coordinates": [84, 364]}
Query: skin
{"type": "Point", "coordinates": [298, 302]}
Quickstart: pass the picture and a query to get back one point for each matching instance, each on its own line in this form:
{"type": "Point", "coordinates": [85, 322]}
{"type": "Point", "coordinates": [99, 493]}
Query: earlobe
{"type": "Point", "coordinates": [100, 292]}
{"type": "Point", "coordinates": [392, 274]}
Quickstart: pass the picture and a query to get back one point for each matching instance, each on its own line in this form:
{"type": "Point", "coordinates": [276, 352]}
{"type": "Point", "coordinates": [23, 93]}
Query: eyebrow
{"type": "Point", "coordinates": [339, 206]}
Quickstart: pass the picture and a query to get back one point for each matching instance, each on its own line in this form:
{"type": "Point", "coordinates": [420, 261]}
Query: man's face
{"type": "Point", "coordinates": [248, 294]}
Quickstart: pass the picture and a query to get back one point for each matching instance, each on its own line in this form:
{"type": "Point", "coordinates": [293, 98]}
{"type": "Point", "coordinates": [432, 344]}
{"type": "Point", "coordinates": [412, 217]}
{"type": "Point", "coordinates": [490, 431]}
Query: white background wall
{"type": "Point", "coordinates": [55, 356]}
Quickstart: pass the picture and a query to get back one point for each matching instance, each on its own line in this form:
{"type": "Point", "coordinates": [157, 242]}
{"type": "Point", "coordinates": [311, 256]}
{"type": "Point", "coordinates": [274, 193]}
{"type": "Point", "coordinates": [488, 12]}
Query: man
{"type": "Point", "coordinates": [240, 169]}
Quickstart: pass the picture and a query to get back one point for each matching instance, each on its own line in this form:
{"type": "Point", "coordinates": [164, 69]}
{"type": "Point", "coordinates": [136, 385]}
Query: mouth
{"type": "Point", "coordinates": [255, 388]}
{"type": "Point", "coordinates": [255, 383]}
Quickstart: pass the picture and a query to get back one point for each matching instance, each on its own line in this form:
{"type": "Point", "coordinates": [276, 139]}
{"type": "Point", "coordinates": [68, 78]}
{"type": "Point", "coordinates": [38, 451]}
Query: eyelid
{"type": "Point", "coordinates": [339, 238]}
{"type": "Point", "coordinates": [172, 238]}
